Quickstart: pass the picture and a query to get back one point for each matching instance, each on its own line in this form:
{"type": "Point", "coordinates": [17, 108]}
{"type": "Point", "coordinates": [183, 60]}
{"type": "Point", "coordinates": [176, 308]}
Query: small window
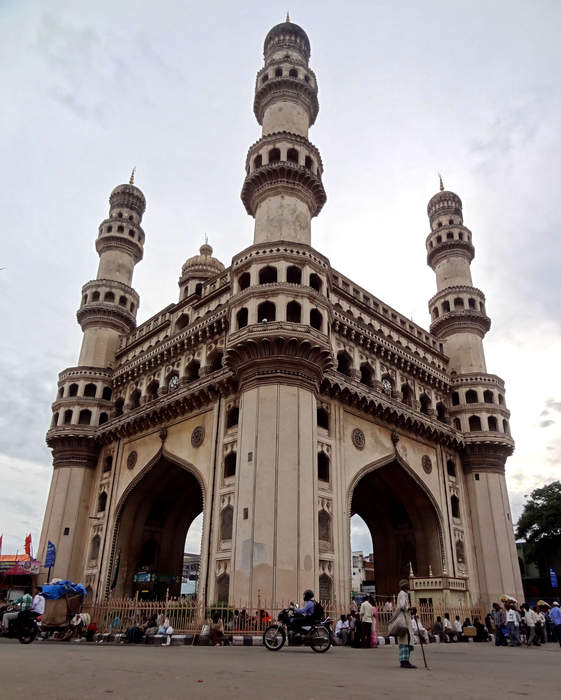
{"type": "Point", "coordinates": [230, 465]}
{"type": "Point", "coordinates": [95, 296]}
{"type": "Point", "coordinates": [73, 390]}
{"type": "Point", "coordinates": [445, 307]}
{"type": "Point", "coordinates": [94, 548]}
{"type": "Point", "coordinates": [344, 363]}
{"type": "Point", "coordinates": [451, 468]}
{"type": "Point", "coordinates": [226, 523]}
{"type": "Point", "coordinates": [435, 312]}
{"type": "Point", "coordinates": [294, 275]}
{"type": "Point", "coordinates": [54, 422]}
{"type": "Point", "coordinates": [322, 418]}
{"type": "Point", "coordinates": [488, 396]}
{"type": "Point", "coordinates": [152, 390]}
{"type": "Point", "coordinates": [102, 502]}
{"type": "Point", "coordinates": [439, 238]}
{"type": "Point", "coordinates": [449, 236]}
{"type": "Point", "coordinates": [425, 402]}
{"type": "Point", "coordinates": [182, 322]}
{"type": "Point", "coordinates": [244, 281]}
{"type": "Point", "coordinates": [407, 395]}
{"type": "Point", "coordinates": [293, 73]}
{"type": "Point", "coordinates": [119, 404]}
{"type": "Point", "coordinates": [323, 466]}
{"type": "Point", "coordinates": [258, 161]}
{"type": "Point", "coordinates": [308, 163]}
{"type": "Point", "coordinates": [457, 424]}
{"type": "Point", "coordinates": [293, 312]}
{"type": "Point", "coordinates": [85, 417]}
{"type": "Point", "coordinates": [214, 361]}
{"type": "Point", "coordinates": [324, 526]}
{"type": "Point", "coordinates": [501, 399]}
{"type": "Point", "coordinates": [123, 301]}
{"type": "Point", "coordinates": [441, 413]}
{"type": "Point", "coordinates": [232, 417]}
{"type": "Point", "coordinates": [103, 418]}
{"type": "Point", "coordinates": [109, 229]}
{"type": "Point", "coordinates": [506, 429]}
{"type": "Point", "coordinates": [108, 464]}
{"type": "Point", "coordinates": [268, 275]}
{"type": "Point", "coordinates": [455, 398]}
{"type": "Point", "coordinates": [264, 78]}
{"type": "Point", "coordinates": [315, 282]}
{"type": "Point", "coordinates": [471, 396]}
{"type": "Point", "coordinates": [199, 288]}
{"type": "Point", "coordinates": [458, 303]}
{"type": "Point", "coordinates": [135, 398]}
{"type": "Point", "coordinates": [316, 319]}
{"type": "Point", "coordinates": [120, 229]}
{"type": "Point", "coordinates": [106, 393]}
{"type": "Point", "coordinates": [274, 155]}
{"type": "Point", "coordinates": [471, 303]}
{"type": "Point", "coordinates": [192, 371]}
{"type": "Point", "coordinates": [242, 318]}
{"type": "Point", "coordinates": [492, 423]}
{"type": "Point", "coordinates": [278, 72]}
{"type": "Point", "coordinates": [474, 423]}
{"type": "Point", "coordinates": [109, 296]}
{"type": "Point", "coordinates": [61, 392]}
{"type": "Point", "coordinates": [90, 391]}
{"type": "Point", "coordinates": [455, 506]}
{"type": "Point", "coordinates": [292, 155]}
{"type": "Point", "coordinates": [266, 312]}
{"type": "Point", "coordinates": [131, 232]}
{"type": "Point", "coordinates": [68, 417]}
{"type": "Point", "coordinates": [366, 374]}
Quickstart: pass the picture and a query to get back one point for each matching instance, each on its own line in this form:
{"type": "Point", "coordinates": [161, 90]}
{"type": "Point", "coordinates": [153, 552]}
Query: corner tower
{"type": "Point", "coordinates": [283, 188]}
{"type": "Point", "coordinates": [478, 408]}
{"type": "Point", "coordinates": [107, 311]}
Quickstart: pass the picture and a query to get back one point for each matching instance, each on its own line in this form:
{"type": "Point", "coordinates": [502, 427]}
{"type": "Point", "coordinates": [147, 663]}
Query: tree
{"type": "Point", "coordinates": [540, 525]}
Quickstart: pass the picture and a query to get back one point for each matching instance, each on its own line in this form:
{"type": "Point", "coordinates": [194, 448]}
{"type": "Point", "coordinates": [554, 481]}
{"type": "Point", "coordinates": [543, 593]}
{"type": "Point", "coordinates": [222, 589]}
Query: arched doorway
{"type": "Point", "coordinates": [154, 519]}
{"type": "Point", "coordinates": [403, 522]}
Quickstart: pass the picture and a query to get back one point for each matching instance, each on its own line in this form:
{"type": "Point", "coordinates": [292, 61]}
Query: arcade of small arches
{"type": "Point", "coordinates": [285, 154]}
{"type": "Point", "coordinates": [437, 238]}
{"type": "Point", "coordinates": [283, 71]}
{"type": "Point", "coordinates": [458, 304]}
{"type": "Point", "coordinates": [269, 274]}
{"type": "Point", "coordinates": [119, 228]}
{"type": "Point", "coordinates": [267, 312]}
{"type": "Point", "coordinates": [108, 298]}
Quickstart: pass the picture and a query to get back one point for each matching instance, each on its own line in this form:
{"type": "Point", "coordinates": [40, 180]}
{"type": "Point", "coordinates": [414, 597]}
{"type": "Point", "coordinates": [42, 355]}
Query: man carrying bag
{"type": "Point", "coordinates": [400, 625]}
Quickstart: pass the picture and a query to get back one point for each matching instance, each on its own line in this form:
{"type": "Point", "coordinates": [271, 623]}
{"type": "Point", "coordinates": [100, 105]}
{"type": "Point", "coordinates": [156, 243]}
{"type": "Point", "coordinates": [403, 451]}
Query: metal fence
{"type": "Point", "coordinates": [188, 615]}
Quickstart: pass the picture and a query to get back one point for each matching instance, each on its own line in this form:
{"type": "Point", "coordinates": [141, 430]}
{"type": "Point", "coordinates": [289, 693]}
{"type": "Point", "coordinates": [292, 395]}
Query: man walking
{"type": "Point", "coordinates": [513, 625]}
{"type": "Point", "coordinates": [405, 640]}
{"type": "Point", "coordinates": [499, 620]}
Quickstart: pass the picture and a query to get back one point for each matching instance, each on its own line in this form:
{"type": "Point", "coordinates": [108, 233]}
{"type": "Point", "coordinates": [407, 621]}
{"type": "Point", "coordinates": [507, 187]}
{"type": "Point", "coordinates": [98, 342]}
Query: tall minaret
{"type": "Point", "coordinates": [84, 396]}
{"type": "Point", "coordinates": [283, 188]}
{"type": "Point", "coordinates": [478, 406]}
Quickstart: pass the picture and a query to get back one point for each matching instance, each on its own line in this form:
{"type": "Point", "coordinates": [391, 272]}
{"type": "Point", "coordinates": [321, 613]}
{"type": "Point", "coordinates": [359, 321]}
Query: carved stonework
{"type": "Point", "coordinates": [359, 441]}
{"type": "Point", "coordinates": [427, 464]}
{"type": "Point", "coordinates": [198, 436]}
{"type": "Point", "coordinates": [132, 459]}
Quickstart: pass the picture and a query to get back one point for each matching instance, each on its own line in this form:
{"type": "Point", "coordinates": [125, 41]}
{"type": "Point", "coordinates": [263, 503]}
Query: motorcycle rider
{"type": "Point", "coordinates": [303, 616]}
{"type": "Point", "coordinates": [24, 603]}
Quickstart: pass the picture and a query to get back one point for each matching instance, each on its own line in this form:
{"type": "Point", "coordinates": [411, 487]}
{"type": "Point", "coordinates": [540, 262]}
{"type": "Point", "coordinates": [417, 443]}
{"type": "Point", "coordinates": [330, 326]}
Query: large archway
{"type": "Point", "coordinates": [403, 522]}
{"type": "Point", "coordinates": [154, 519]}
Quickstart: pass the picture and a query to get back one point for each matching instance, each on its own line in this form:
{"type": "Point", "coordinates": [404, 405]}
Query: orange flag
{"type": "Point", "coordinates": [28, 545]}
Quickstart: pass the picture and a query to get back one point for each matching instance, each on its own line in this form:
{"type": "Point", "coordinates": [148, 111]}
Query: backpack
{"type": "Point", "coordinates": [318, 611]}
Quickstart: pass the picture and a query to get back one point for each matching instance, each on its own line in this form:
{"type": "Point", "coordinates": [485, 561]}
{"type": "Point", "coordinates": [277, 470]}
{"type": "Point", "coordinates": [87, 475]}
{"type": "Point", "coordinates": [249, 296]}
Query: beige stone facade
{"type": "Point", "coordinates": [279, 398]}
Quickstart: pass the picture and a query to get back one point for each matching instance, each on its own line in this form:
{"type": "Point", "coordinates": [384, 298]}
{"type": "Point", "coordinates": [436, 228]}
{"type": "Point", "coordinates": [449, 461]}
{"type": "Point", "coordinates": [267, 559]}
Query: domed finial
{"type": "Point", "coordinates": [131, 179]}
{"type": "Point", "coordinates": [287, 17]}
{"type": "Point", "coordinates": [206, 249]}
{"type": "Point", "coordinates": [441, 183]}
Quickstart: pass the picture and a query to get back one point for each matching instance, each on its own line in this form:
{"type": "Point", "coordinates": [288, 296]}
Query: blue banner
{"type": "Point", "coordinates": [553, 578]}
{"type": "Point", "coordinates": [50, 555]}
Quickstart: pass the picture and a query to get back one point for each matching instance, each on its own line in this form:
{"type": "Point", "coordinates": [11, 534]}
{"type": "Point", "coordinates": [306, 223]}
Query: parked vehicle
{"type": "Point", "coordinates": [317, 634]}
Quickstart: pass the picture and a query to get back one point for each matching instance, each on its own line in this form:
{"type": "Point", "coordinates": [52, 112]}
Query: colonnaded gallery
{"type": "Point", "coordinates": [279, 398]}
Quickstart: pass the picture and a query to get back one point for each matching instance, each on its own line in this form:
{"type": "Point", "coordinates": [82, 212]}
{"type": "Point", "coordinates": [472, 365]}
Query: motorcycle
{"type": "Point", "coordinates": [25, 626]}
{"type": "Point", "coordinates": [317, 634]}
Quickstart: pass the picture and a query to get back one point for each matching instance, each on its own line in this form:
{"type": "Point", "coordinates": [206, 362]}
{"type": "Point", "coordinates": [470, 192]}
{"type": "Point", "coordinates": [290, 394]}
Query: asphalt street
{"type": "Point", "coordinates": [83, 671]}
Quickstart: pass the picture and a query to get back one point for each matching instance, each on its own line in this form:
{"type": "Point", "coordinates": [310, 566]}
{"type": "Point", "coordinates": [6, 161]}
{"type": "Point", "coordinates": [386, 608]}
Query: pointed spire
{"type": "Point", "coordinates": [441, 183]}
{"type": "Point", "coordinates": [287, 17]}
{"type": "Point", "coordinates": [131, 179]}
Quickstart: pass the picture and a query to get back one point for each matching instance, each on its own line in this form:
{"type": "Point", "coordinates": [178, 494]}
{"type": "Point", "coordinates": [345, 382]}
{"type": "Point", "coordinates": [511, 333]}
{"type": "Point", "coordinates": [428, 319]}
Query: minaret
{"type": "Point", "coordinates": [283, 188]}
{"type": "Point", "coordinates": [278, 340]}
{"type": "Point", "coordinates": [478, 407]}
{"type": "Point", "coordinates": [84, 398]}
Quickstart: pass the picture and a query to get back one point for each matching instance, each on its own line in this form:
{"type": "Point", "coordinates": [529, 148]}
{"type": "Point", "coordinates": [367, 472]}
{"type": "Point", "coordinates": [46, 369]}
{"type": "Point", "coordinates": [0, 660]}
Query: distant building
{"type": "Point", "coordinates": [358, 571]}
{"type": "Point", "coordinates": [191, 567]}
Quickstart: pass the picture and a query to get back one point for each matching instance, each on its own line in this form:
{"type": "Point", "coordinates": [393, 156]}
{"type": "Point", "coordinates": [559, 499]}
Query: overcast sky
{"type": "Point", "coordinates": [406, 89]}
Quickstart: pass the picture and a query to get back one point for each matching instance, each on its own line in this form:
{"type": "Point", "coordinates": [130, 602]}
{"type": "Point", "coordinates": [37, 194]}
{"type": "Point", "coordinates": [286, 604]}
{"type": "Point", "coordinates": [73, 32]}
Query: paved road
{"type": "Point", "coordinates": [458, 671]}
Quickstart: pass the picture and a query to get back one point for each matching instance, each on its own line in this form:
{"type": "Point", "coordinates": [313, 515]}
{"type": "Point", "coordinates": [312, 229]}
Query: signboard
{"type": "Point", "coordinates": [553, 578]}
{"type": "Point", "coordinates": [143, 577]}
{"type": "Point", "coordinates": [50, 555]}
{"type": "Point", "coordinates": [368, 588]}
{"type": "Point", "coordinates": [23, 568]}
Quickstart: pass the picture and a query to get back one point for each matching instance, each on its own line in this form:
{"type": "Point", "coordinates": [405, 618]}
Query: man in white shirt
{"type": "Point", "coordinates": [513, 624]}
{"type": "Point", "coordinates": [458, 626]}
{"type": "Point", "coordinates": [419, 630]}
{"type": "Point", "coordinates": [531, 618]}
{"type": "Point", "coordinates": [366, 618]}
{"type": "Point", "coordinates": [38, 602]}
{"type": "Point", "coordinates": [342, 630]}
{"type": "Point", "coordinates": [449, 631]}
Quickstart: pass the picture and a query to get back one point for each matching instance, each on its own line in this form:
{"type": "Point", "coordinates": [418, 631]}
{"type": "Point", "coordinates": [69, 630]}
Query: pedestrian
{"type": "Point", "coordinates": [366, 618]}
{"type": "Point", "coordinates": [540, 625]}
{"type": "Point", "coordinates": [531, 620]}
{"type": "Point", "coordinates": [555, 617]}
{"type": "Point", "coordinates": [449, 632]}
{"type": "Point", "coordinates": [500, 621]}
{"type": "Point", "coordinates": [406, 638]}
{"type": "Point", "coordinates": [513, 624]}
{"type": "Point", "coordinates": [354, 606]}
{"type": "Point", "coordinates": [438, 630]}
{"type": "Point", "coordinates": [458, 627]}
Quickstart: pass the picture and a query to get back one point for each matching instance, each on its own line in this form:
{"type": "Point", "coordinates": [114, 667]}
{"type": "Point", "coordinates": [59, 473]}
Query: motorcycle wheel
{"type": "Point", "coordinates": [28, 632]}
{"type": "Point", "coordinates": [274, 637]}
{"type": "Point", "coordinates": [320, 639]}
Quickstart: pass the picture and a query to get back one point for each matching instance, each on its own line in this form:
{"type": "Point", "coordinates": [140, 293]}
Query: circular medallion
{"type": "Point", "coordinates": [173, 383]}
{"type": "Point", "coordinates": [131, 460]}
{"type": "Point", "coordinates": [359, 441]}
{"type": "Point", "coordinates": [427, 464]}
{"type": "Point", "coordinates": [198, 436]}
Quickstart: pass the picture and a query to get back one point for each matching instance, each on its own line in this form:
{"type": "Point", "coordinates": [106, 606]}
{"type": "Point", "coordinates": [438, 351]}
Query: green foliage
{"type": "Point", "coordinates": [540, 524]}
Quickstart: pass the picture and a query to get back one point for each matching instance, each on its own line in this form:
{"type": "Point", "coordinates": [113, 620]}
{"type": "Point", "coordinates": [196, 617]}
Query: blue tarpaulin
{"type": "Point", "coordinates": [54, 591]}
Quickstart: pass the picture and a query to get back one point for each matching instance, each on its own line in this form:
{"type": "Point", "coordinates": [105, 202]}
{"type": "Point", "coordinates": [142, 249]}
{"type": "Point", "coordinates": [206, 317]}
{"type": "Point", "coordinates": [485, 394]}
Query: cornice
{"type": "Point", "coordinates": [461, 321]}
{"type": "Point", "coordinates": [120, 241]}
{"type": "Point", "coordinates": [456, 289]}
{"type": "Point", "coordinates": [443, 250]}
{"type": "Point", "coordinates": [276, 136]}
{"type": "Point", "coordinates": [107, 315]}
{"type": "Point", "coordinates": [285, 88]}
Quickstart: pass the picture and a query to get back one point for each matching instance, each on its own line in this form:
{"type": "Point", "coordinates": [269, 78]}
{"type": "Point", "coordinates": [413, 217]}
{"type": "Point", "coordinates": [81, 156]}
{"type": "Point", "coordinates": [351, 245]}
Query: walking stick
{"type": "Point", "coordinates": [421, 640]}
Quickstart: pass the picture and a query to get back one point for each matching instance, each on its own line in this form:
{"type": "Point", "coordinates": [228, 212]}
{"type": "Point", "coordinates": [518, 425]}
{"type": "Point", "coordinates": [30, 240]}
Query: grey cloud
{"type": "Point", "coordinates": [546, 423]}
